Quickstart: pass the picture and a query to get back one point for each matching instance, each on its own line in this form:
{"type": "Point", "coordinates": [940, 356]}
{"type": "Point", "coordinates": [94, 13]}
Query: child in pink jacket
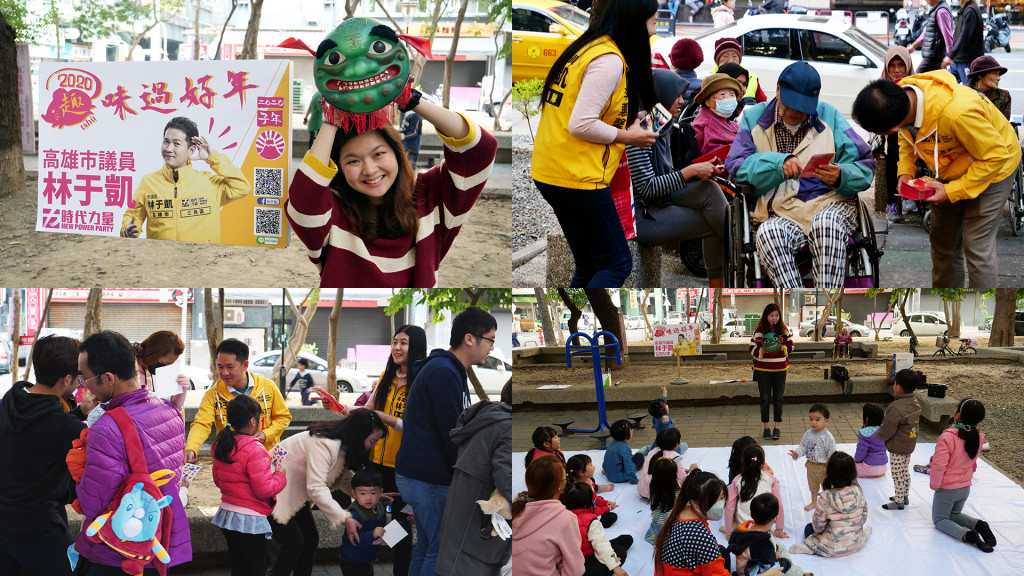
{"type": "Point", "coordinates": [242, 471]}
{"type": "Point", "coordinates": [546, 539]}
{"type": "Point", "coordinates": [952, 467]}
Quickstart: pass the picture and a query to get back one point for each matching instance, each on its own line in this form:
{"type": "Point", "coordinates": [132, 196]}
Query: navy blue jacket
{"type": "Point", "coordinates": [366, 550]}
{"type": "Point", "coordinates": [438, 396]}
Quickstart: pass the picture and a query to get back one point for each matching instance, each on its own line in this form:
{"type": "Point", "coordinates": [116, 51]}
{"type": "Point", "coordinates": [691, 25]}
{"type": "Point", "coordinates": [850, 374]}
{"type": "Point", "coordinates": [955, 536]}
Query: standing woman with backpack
{"type": "Point", "coordinates": [770, 346]}
{"type": "Point", "coordinates": [590, 111]}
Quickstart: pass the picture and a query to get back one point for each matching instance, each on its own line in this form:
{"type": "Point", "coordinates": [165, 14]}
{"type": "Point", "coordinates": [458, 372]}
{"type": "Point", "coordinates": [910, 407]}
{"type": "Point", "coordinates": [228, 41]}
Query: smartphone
{"type": "Point", "coordinates": [656, 119]}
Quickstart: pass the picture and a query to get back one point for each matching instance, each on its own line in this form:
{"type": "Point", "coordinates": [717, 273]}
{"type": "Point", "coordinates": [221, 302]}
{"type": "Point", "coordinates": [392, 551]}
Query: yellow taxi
{"type": "Point", "coordinates": [541, 30]}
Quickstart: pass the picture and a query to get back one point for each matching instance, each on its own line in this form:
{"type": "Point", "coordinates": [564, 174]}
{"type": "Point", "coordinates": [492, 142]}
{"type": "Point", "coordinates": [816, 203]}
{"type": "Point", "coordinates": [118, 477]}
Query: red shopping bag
{"type": "Point", "coordinates": [622, 195]}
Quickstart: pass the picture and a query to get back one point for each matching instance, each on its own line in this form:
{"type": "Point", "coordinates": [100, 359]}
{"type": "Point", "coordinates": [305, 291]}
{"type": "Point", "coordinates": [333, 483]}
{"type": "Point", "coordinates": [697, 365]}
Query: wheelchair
{"type": "Point", "coordinates": [863, 254]}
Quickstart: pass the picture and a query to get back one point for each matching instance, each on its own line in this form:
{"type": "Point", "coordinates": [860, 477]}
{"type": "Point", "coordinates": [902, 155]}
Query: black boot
{"type": "Point", "coordinates": [974, 538]}
{"type": "Point", "coordinates": [986, 533]}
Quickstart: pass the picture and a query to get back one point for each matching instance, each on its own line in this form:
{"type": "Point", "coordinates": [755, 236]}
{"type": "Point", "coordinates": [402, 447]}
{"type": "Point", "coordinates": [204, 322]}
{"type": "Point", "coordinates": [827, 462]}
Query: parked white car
{"type": "Point", "coordinates": [348, 380]}
{"type": "Point", "coordinates": [493, 373]}
{"type": "Point", "coordinates": [856, 330]}
{"type": "Point", "coordinates": [846, 58]}
{"type": "Point", "coordinates": [923, 323]}
{"type": "Point", "coordinates": [200, 377]}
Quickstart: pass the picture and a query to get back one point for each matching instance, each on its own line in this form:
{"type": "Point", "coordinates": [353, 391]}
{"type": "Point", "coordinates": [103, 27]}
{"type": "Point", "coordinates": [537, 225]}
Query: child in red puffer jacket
{"type": "Point", "coordinates": [242, 471]}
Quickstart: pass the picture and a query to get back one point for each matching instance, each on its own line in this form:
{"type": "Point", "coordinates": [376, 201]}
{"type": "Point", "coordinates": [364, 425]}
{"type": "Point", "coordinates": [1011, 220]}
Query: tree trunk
{"type": "Point", "coordinates": [214, 327]}
{"type": "Point", "coordinates": [145, 31]}
{"type": "Point", "coordinates": [234, 5]}
{"type": "Point", "coordinates": [474, 294]}
{"type": "Point", "coordinates": [449, 62]}
{"type": "Point", "coordinates": [716, 323]}
{"type": "Point", "coordinates": [501, 108]}
{"type": "Point", "coordinates": [839, 311]}
{"type": "Point", "coordinates": [350, 8]}
{"type": "Point", "coordinates": [545, 317]}
{"type": "Point", "coordinates": [417, 67]}
{"type": "Point", "coordinates": [778, 296]}
{"type": "Point", "coordinates": [649, 334]}
{"type": "Point", "coordinates": [390, 18]}
{"type": "Point", "coordinates": [605, 311]}
{"type": "Point", "coordinates": [12, 161]}
{"type": "Point", "coordinates": [195, 43]}
{"type": "Point", "coordinates": [1003, 318]}
{"type": "Point", "coordinates": [574, 314]}
{"type": "Point", "coordinates": [39, 328]}
{"type": "Point", "coordinates": [93, 313]}
{"type": "Point", "coordinates": [332, 344]}
{"type": "Point", "coordinates": [249, 51]}
{"type": "Point", "coordinates": [16, 329]}
{"type": "Point", "coordinates": [291, 352]}
{"type": "Point", "coordinates": [954, 319]}
{"type": "Point", "coordinates": [903, 314]}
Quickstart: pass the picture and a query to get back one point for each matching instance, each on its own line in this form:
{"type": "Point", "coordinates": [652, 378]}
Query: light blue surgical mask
{"type": "Point", "coordinates": [718, 510]}
{"type": "Point", "coordinates": [725, 107]}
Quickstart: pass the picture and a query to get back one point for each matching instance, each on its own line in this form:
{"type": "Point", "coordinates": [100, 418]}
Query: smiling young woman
{"type": "Point", "coordinates": [368, 219]}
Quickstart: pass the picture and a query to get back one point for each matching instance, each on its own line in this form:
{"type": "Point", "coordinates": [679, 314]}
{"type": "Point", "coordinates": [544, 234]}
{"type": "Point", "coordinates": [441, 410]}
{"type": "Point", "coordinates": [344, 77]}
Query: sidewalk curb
{"type": "Point", "coordinates": [524, 255]}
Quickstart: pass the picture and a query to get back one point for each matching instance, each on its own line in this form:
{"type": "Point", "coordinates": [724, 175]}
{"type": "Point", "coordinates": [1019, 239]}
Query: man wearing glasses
{"type": "Point", "coordinates": [425, 461]}
{"type": "Point", "coordinates": [106, 366]}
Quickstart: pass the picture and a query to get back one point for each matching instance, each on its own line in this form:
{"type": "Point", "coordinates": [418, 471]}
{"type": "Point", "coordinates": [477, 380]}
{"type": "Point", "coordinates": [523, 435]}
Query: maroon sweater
{"type": "Point", "coordinates": [771, 361]}
{"type": "Point", "coordinates": [444, 195]}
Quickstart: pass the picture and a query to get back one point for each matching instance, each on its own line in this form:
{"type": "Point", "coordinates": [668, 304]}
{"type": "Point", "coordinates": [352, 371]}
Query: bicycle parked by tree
{"type": "Point", "coordinates": [966, 348]}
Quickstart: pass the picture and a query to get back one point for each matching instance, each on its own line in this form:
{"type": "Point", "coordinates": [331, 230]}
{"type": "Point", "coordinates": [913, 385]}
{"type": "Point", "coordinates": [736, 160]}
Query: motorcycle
{"type": "Point", "coordinates": [997, 33]}
{"type": "Point", "coordinates": [901, 33]}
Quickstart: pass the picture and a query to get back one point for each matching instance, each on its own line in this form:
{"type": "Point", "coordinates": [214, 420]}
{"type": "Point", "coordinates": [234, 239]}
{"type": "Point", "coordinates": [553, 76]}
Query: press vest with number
{"type": "Point", "coordinates": [561, 159]}
{"type": "Point", "coordinates": [934, 45]}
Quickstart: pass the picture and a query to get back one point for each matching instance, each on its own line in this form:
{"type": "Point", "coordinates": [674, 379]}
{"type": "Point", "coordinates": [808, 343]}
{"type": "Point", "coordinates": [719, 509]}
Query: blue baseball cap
{"type": "Point", "coordinates": [799, 85]}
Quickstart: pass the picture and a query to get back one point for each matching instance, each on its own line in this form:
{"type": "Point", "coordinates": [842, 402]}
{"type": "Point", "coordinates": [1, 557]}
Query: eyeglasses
{"type": "Point", "coordinates": [82, 381]}
{"type": "Point", "coordinates": [491, 340]}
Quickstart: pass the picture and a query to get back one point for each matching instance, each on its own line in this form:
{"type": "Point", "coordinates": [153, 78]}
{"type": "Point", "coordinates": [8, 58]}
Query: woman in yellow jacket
{"type": "Point", "coordinates": [590, 105]}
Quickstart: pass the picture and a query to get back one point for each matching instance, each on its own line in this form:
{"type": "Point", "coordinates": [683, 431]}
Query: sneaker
{"type": "Point", "coordinates": [983, 530]}
{"type": "Point", "coordinates": [892, 506]}
{"type": "Point", "coordinates": [985, 447]}
{"type": "Point", "coordinates": [922, 469]}
{"type": "Point", "coordinates": [906, 501]}
{"type": "Point", "coordinates": [909, 206]}
{"type": "Point", "coordinates": [974, 538]}
{"type": "Point", "coordinates": [776, 434]}
{"type": "Point", "coordinates": [892, 214]}
{"type": "Point", "coordinates": [767, 435]}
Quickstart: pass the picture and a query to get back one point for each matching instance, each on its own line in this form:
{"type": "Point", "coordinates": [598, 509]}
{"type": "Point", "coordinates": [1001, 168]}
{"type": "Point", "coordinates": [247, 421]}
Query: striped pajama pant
{"type": "Point", "coordinates": [779, 239]}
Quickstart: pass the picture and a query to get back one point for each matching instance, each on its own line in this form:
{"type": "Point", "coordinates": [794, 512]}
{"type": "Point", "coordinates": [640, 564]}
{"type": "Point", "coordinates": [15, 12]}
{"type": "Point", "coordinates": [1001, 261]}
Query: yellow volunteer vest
{"type": "Point", "coordinates": [752, 83]}
{"type": "Point", "coordinates": [385, 449]}
{"type": "Point", "coordinates": [561, 159]}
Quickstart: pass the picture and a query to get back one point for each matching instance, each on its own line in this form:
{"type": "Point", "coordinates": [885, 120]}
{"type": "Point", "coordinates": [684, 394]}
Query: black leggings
{"type": "Point", "coordinates": [402, 552]}
{"type": "Point", "coordinates": [299, 539]}
{"type": "Point", "coordinates": [620, 544]}
{"type": "Point", "coordinates": [772, 386]}
{"type": "Point", "coordinates": [248, 553]}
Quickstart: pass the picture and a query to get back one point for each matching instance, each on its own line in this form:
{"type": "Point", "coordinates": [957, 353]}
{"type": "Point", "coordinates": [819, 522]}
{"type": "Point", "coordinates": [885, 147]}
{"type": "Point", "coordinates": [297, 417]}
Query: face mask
{"type": "Point", "coordinates": [725, 107]}
{"type": "Point", "coordinates": [717, 511]}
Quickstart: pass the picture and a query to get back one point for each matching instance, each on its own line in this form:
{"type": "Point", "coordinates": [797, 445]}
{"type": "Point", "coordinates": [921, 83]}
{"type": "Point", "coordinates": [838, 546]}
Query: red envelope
{"type": "Point", "coordinates": [715, 156]}
{"type": "Point", "coordinates": [815, 162]}
{"type": "Point", "coordinates": [916, 189]}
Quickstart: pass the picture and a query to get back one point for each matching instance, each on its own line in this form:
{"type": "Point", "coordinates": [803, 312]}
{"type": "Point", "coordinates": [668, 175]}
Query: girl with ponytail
{"type": "Point", "coordinates": [242, 471]}
{"type": "Point", "coordinates": [952, 468]}
{"type": "Point", "coordinates": [753, 480]}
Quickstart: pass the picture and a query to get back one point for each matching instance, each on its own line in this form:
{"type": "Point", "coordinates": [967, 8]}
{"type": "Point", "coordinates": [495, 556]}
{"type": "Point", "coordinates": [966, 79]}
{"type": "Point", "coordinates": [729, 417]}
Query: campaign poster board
{"type": "Point", "coordinates": [103, 157]}
{"type": "Point", "coordinates": [676, 339]}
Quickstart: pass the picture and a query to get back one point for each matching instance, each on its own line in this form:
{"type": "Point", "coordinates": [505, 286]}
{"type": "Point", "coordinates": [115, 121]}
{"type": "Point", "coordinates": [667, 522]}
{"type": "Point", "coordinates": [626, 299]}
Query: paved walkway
{"type": "Point", "coordinates": [318, 570]}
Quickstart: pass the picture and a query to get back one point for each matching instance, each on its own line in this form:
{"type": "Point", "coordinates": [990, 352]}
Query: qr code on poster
{"type": "Point", "coordinates": [269, 182]}
{"type": "Point", "coordinates": [268, 222]}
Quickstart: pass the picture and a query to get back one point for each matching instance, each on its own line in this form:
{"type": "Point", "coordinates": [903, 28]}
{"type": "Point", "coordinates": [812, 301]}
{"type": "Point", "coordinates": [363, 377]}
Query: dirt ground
{"type": "Point", "coordinates": [997, 385]}
{"type": "Point", "coordinates": [479, 257]}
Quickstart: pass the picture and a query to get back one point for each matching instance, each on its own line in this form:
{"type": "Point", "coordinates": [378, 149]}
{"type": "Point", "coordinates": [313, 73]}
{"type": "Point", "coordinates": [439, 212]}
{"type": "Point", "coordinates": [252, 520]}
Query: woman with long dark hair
{"type": "Point", "coordinates": [408, 347]}
{"type": "Point", "coordinates": [365, 215]}
{"type": "Point", "coordinates": [319, 460]}
{"type": "Point", "coordinates": [770, 347]}
{"type": "Point", "coordinates": [591, 101]}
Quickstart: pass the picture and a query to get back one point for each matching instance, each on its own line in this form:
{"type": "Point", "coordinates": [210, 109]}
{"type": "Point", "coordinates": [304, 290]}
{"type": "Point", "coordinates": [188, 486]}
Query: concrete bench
{"type": "Point", "coordinates": [939, 410]}
{"type": "Point", "coordinates": [812, 354]}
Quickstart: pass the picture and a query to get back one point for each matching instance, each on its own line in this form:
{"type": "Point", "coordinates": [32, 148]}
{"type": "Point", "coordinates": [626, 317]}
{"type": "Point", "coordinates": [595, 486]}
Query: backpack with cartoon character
{"type": "Point", "coordinates": [140, 515]}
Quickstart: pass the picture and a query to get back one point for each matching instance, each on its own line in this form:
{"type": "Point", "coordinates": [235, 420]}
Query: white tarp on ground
{"type": "Point", "coordinates": [902, 542]}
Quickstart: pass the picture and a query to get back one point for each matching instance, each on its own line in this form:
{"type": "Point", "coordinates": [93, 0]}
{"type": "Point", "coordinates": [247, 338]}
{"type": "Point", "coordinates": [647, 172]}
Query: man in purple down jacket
{"type": "Point", "coordinates": [106, 365]}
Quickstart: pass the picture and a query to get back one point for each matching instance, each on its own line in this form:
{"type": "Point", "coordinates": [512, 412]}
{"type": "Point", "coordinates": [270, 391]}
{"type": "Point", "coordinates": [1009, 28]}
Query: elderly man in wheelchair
{"type": "Point", "coordinates": [805, 165]}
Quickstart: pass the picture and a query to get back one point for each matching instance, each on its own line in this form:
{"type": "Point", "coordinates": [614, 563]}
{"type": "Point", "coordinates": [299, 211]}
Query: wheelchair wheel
{"type": "Point", "coordinates": [691, 253]}
{"type": "Point", "coordinates": [926, 222]}
{"type": "Point", "coordinates": [1017, 203]}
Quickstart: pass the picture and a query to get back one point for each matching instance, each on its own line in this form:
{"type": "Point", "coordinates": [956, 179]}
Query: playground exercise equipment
{"type": "Point", "coordinates": [595, 354]}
